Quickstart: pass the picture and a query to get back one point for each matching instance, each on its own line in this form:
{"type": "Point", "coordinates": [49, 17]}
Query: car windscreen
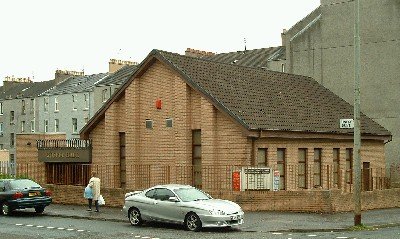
{"type": "Point", "coordinates": [191, 194]}
{"type": "Point", "coordinates": [23, 184]}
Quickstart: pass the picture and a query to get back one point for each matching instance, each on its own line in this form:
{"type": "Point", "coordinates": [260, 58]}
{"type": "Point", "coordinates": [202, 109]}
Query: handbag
{"type": "Point", "coordinates": [101, 201]}
{"type": "Point", "coordinates": [88, 193]}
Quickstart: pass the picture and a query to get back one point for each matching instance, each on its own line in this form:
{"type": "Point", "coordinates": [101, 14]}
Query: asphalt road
{"type": "Point", "coordinates": [27, 224]}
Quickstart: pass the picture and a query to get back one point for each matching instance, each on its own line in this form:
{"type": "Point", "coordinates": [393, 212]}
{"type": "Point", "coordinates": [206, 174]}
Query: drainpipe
{"type": "Point", "coordinates": [253, 148]}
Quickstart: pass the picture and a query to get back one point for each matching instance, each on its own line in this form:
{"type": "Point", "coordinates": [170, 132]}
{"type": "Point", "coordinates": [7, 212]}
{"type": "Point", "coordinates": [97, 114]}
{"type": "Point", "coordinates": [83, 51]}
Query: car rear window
{"type": "Point", "coordinates": [23, 184]}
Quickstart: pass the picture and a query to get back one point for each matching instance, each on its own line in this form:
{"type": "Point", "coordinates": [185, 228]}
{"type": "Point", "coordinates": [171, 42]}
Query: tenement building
{"type": "Point", "coordinates": [182, 119]}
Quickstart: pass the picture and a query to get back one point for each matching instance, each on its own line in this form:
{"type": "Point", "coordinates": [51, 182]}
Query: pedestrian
{"type": "Point", "coordinates": [94, 183]}
{"type": "Point", "coordinates": [88, 194]}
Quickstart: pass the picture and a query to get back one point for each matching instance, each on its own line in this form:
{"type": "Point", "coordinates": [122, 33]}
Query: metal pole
{"type": "Point", "coordinates": [357, 133]}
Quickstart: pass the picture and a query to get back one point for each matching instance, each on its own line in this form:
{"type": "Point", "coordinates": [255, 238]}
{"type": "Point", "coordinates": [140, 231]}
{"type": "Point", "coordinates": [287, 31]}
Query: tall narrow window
{"type": "Point", "coordinates": [317, 167]}
{"type": "Point", "coordinates": [12, 140]}
{"type": "Point", "coordinates": [32, 126]}
{"type": "Point", "coordinates": [74, 102]}
{"type": "Point", "coordinates": [302, 171]}
{"type": "Point", "coordinates": [86, 99]}
{"type": "Point", "coordinates": [46, 104]}
{"type": "Point", "coordinates": [104, 95]}
{"type": "Point", "coordinates": [46, 126]}
{"type": "Point", "coordinates": [122, 159]}
{"type": "Point", "coordinates": [56, 106]}
{"type": "Point", "coordinates": [1, 108]}
{"type": "Point", "coordinates": [196, 158]}
{"type": "Point", "coordinates": [12, 117]}
{"type": "Point", "coordinates": [349, 165]}
{"type": "Point", "coordinates": [281, 163]}
{"type": "Point", "coordinates": [262, 157]}
{"type": "Point", "coordinates": [22, 126]}
{"type": "Point", "coordinates": [86, 119]}
{"type": "Point", "coordinates": [56, 125]}
{"type": "Point", "coordinates": [283, 68]}
{"type": "Point", "coordinates": [336, 160]}
{"type": "Point", "coordinates": [1, 129]}
{"type": "Point", "coordinates": [23, 110]}
{"type": "Point", "coordinates": [32, 106]}
{"type": "Point", "coordinates": [74, 125]}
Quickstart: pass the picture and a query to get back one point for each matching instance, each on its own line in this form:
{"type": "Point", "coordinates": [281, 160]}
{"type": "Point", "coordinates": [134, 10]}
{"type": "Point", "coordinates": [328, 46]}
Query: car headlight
{"type": "Point", "coordinates": [217, 212]}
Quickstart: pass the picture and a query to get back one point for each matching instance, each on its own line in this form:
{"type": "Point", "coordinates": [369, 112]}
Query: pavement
{"type": "Point", "coordinates": [265, 221]}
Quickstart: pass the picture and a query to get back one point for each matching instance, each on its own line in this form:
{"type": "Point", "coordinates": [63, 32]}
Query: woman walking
{"type": "Point", "coordinates": [94, 183]}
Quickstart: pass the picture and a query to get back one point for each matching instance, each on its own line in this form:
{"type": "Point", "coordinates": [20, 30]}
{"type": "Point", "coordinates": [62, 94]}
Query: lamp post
{"type": "Point", "coordinates": [357, 131]}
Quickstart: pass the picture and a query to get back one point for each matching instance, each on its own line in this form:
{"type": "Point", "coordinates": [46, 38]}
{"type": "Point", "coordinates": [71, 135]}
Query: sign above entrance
{"type": "Point", "coordinates": [64, 151]}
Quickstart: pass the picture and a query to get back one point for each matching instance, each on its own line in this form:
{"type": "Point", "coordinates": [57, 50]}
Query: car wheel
{"type": "Point", "coordinates": [192, 222]}
{"type": "Point", "coordinates": [5, 209]}
{"type": "Point", "coordinates": [39, 209]}
{"type": "Point", "coordinates": [134, 217]}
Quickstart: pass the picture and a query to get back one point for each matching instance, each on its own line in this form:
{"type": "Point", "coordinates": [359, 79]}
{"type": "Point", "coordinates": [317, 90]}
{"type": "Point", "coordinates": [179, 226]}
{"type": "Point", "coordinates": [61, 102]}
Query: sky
{"type": "Point", "coordinates": [40, 36]}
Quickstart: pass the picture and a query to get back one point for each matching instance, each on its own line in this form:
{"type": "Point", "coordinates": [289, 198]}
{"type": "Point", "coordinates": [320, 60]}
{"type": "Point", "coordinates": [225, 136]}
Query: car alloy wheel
{"type": "Point", "coordinates": [193, 222]}
{"type": "Point", "coordinates": [134, 217]}
{"type": "Point", "coordinates": [39, 209]}
{"type": "Point", "coordinates": [5, 209]}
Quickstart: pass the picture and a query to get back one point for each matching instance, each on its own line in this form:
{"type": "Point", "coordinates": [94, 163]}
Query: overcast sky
{"type": "Point", "coordinates": [40, 36]}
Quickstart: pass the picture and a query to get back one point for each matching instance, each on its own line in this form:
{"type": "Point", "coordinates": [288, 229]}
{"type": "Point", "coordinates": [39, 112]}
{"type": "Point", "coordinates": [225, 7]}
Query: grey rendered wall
{"type": "Point", "coordinates": [326, 53]}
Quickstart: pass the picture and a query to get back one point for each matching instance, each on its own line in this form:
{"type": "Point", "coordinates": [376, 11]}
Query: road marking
{"type": "Point", "coordinates": [70, 229]}
{"type": "Point", "coordinates": [39, 226]}
{"type": "Point", "coordinates": [29, 225]}
{"type": "Point", "coordinates": [277, 233]}
{"type": "Point", "coordinates": [19, 224]}
{"type": "Point", "coordinates": [312, 235]}
{"type": "Point", "coordinates": [341, 237]}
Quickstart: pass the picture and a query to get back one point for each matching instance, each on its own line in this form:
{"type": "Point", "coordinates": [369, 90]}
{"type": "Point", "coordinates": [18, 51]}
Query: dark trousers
{"type": "Point", "coordinates": [96, 203]}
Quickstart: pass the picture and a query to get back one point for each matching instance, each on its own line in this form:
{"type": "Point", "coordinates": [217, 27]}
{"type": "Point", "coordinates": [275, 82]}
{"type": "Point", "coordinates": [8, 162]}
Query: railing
{"type": "Point", "coordinates": [63, 143]}
{"type": "Point", "coordinates": [210, 177]}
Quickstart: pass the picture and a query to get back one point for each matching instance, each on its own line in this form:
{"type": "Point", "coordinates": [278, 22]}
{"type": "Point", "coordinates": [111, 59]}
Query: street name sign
{"type": "Point", "coordinates": [346, 123]}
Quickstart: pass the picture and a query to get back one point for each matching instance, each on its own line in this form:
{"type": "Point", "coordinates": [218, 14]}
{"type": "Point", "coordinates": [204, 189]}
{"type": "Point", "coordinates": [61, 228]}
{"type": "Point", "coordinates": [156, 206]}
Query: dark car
{"type": "Point", "coordinates": [21, 194]}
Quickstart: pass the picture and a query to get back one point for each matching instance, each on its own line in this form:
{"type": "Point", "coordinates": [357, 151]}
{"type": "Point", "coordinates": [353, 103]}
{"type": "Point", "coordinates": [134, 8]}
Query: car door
{"type": "Point", "coordinates": [2, 191]}
{"type": "Point", "coordinates": [165, 209]}
{"type": "Point", "coordinates": [147, 205]}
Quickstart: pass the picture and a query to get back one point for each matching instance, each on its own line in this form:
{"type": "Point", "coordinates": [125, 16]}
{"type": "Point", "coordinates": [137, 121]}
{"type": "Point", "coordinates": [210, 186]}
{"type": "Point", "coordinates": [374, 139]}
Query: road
{"type": "Point", "coordinates": [27, 224]}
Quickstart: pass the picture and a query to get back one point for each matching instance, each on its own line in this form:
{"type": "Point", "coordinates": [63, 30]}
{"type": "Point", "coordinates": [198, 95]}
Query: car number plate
{"type": "Point", "coordinates": [33, 194]}
{"type": "Point", "coordinates": [237, 217]}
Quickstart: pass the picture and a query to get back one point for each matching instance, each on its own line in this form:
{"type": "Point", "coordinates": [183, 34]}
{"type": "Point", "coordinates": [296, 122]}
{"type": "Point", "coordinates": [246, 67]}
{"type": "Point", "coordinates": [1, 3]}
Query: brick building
{"type": "Point", "coordinates": [188, 120]}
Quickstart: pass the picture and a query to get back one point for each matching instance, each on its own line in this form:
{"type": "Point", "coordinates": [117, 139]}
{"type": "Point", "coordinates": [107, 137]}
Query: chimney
{"type": "Point", "coordinates": [10, 81]}
{"type": "Point", "coordinates": [114, 64]}
{"type": "Point", "coordinates": [197, 53]}
{"type": "Point", "coordinates": [61, 75]}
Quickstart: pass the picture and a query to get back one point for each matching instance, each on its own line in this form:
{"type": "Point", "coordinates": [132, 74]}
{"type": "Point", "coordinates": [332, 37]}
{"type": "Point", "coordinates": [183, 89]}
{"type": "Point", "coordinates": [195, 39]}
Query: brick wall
{"type": "Point", "coordinates": [326, 201]}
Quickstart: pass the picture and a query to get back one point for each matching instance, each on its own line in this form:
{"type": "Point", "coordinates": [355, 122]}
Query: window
{"type": "Point", "coordinates": [302, 172]}
{"type": "Point", "coordinates": [46, 126]}
{"type": "Point", "coordinates": [32, 126]}
{"type": "Point", "coordinates": [283, 67]}
{"type": "Point", "coordinates": [1, 108]}
{"type": "Point", "coordinates": [317, 167]}
{"type": "Point", "coordinates": [22, 126]}
{"type": "Point", "coordinates": [23, 110]}
{"type": "Point", "coordinates": [12, 140]}
{"type": "Point", "coordinates": [168, 123]}
{"type": "Point", "coordinates": [1, 129]}
{"type": "Point", "coordinates": [74, 102]}
{"type": "Point", "coordinates": [104, 95]}
{"type": "Point", "coordinates": [336, 160]}
{"type": "Point", "coordinates": [86, 119]}
{"type": "Point", "coordinates": [261, 157]}
{"type": "Point", "coordinates": [196, 158]}
{"type": "Point", "coordinates": [86, 99]}
{"type": "Point", "coordinates": [149, 124]}
{"type": "Point", "coordinates": [74, 125]}
{"type": "Point", "coordinates": [281, 163]}
{"type": "Point", "coordinates": [1, 146]}
{"type": "Point", "coordinates": [349, 165]}
{"type": "Point", "coordinates": [46, 104]}
{"type": "Point", "coordinates": [56, 106]}
{"type": "Point", "coordinates": [32, 106]}
{"type": "Point", "coordinates": [12, 117]}
{"type": "Point", "coordinates": [56, 125]}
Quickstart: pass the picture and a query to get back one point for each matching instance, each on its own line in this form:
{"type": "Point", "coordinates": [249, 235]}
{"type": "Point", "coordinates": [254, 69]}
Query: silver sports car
{"type": "Point", "coordinates": [181, 204]}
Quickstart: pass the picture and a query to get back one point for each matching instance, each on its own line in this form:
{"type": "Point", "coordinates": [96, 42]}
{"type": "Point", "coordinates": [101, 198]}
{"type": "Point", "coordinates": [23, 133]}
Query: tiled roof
{"type": "Point", "coordinates": [251, 58]}
{"type": "Point", "coordinates": [26, 90]}
{"type": "Point", "coordinates": [256, 98]}
{"type": "Point", "coordinates": [119, 77]}
{"type": "Point", "coordinates": [76, 84]}
{"type": "Point", "coordinates": [268, 100]}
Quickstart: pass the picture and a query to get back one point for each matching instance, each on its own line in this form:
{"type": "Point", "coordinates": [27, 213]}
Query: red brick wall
{"type": "Point", "coordinates": [295, 201]}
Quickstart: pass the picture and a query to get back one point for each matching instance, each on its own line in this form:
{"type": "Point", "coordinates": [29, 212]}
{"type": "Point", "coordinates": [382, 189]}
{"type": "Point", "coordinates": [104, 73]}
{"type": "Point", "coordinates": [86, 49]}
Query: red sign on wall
{"type": "Point", "coordinates": [236, 181]}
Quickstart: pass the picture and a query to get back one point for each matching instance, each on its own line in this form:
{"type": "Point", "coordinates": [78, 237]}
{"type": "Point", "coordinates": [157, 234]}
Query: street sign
{"type": "Point", "coordinates": [346, 123]}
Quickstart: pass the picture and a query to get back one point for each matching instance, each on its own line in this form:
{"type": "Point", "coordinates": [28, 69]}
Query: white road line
{"type": "Point", "coordinates": [70, 229]}
{"type": "Point", "coordinates": [19, 224]}
{"type": "Point", "coordinates": [50, 227]}
{"type": "Point", "coordinates": [341, 237]}
{"type": "Point", "coordinates": [29, 225]}
{"type": "Point", "coordinates": [39, 226]}
{"type": "Point", "coordinates": [80, 230]}
{"type": "Point", "coordinates": [312, 235]}
{"type": "Point", "coordinates": [277, 233]}
{"type": "Point", "coordinates": [60, 228]}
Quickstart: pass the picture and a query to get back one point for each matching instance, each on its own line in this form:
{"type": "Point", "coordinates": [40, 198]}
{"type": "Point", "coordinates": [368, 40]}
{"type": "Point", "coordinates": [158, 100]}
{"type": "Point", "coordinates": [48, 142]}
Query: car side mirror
{"type": "Point", "coordinates": [173, 199]}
